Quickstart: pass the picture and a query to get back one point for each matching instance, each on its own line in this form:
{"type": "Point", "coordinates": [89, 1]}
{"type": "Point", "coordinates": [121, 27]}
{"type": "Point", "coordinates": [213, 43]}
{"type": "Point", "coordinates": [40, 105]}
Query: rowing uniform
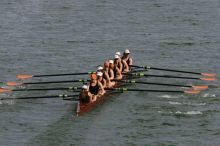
{"type": "Point", "coordinates": [94, 89]}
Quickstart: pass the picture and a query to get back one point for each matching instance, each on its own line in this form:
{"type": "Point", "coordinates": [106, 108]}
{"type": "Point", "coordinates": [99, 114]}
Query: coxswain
{"type": "Point", "coordinates": [118, 61]}
{"type": "Point", "coordinates": [126, 59]}
{"type": "Point", "coordinates": [95, 88]}
{"type": "Point", "coordinates": [85, 96]}
{"type": "Point", "coordinates": [101, 79]}
{"type": "Point", "coordinates": [105, 72]}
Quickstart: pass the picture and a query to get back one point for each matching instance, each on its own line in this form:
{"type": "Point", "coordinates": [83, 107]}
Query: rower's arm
{"type": "Point", "coordinates": [126, 68]}
{"type": "Point", "coordinates": [118, 70]}
{"type": "Point", "coordinates": [120, 66]}
{"type": "Point", "coordinates": [130, 61]}
{"type": "Point", "coordinates": [89, 94]}
{"type": "Point", "coordinates": [112, 75]}
{"type": "Point", "coordinates": [101, 90]}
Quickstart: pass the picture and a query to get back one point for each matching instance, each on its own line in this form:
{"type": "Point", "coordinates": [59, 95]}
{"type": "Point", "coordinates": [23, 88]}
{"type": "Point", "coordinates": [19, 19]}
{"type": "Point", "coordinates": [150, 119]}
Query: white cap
{"type": "Point", "coordinates": [118, 53]}
{"type": "Point", "coordinates": [116, 57]}
{"type": "Point", "coordinates": [99, 74]}
{"type": "Point", "coordinates": [100, 68]}
{"type": "Point", "coordinates": [127, 51]}
{"type": "Point", "coordinates": [111, 61]}
{"type": "Point", "coordinates": [84, 87]}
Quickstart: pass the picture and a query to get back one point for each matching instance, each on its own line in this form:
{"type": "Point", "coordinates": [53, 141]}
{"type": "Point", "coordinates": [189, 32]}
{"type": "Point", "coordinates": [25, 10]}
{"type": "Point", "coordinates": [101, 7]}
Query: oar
{"type": "Point", "coordinates": [173, 70]}
{"type": "Point", "coordinates": [146, 90]}
{"type": "Point", "coordinates": [27, 76]}
{"type": "Point", "coordinates": [49, 82]}
{"type": "Point", "coordinates": [198, 87]}
{"type": "Point", "coordinates": [168, 76]}
{"type": "Point", "coordinates": [35, 97]}
{"type": "Point", "coordinates": [73, 89]}
{"type": "Point", "coordinates": [71, 99]}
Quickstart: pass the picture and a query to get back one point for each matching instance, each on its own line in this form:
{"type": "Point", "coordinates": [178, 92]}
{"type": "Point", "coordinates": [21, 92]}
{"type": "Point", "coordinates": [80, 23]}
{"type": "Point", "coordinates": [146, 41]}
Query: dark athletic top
{"type": "Point", "coordinates": [94, 89]}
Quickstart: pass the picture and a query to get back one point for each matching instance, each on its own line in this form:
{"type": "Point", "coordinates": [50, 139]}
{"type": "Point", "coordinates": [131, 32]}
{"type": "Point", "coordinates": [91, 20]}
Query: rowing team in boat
{"type": "Point", "coordinates": [105, 77]}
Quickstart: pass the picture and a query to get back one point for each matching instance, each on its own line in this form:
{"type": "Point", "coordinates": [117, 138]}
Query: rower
{"type": "Point", "coordinates": [118, 61]}
{"type": "Point", "coordinates": [85, 96]}
{"type": "Point", "coordinates": [95, 88]}
{"type": "Point", "coordinates": [111, 70]}
{"type": "Point", "coordinates": [105, 72]}
{"type": "Point", "coordinates": [126, 60]}
{"type": "Point", "coordinates": [100, 68]}
{"type": "Point", "coordinates": [101, 79]}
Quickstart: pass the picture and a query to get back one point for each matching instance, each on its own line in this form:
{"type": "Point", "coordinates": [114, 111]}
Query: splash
{"type": "Point", "coordinates": [7, 102]}
{"type": "Point", "coordinates": [193, 113]}
{"type": "Point", "coordinates": [168, 96]}
{"type": "Point", "coordinates": [174, 103]}
{"type": "Point", "coordinates": [208, 95]}
{"type": "Point", "coordinates": [181, 113]}
{"type": "Point", "coordinates": [186, 103]}
{"type": "Point", "coordinates": [189, 113]}
{"type": "Point", "coordinates": [194, 104]}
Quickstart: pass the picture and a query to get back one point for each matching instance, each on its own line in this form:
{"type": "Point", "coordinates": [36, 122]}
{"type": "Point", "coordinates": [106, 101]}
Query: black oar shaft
{"type": "Point", "coordinates": [40, 89]}
{"type": "Point", "coordinates": [145, 90]}
{"type": "Point", "coordinates": [173, 91]}
{"type": "Point", "coordinates": [36, 97]}
{"type": "Point", "coordinates": [151, 83]}
{"type": "Point", "coordinates": [172, 70]}
{"type": "Point", "coordinates": [168, 76]}
{"type": "Point", "coordinates": [67, 74]}
{"type": "Point", "coordinates": [51, 82]}
{"type": "Point", "coordinates": [45, 89]}
{"type": "Point", "coordinates": [164, 69]}
{"type": "Point", "coordinates": [162, 76]}
{"type": "Point", "coordinates": [71, 99]}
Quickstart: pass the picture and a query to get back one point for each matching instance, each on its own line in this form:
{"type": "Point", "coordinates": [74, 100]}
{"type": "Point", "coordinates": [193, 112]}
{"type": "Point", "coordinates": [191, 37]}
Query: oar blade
{"type": "Point", "coordinates": [4, 90]}
{"type": "Point", "coordinates": [208, 79]}
{"type": "Point", "coordinates": [13, 83]}
{"type": "Point", "coordinates": [192, 91]}
{"type": "Point", "coordinates": [202, 87]}
{"type": "Point", "coordinates": [24, 76]}
{"type": "Point", "coordinates": [209, 74]}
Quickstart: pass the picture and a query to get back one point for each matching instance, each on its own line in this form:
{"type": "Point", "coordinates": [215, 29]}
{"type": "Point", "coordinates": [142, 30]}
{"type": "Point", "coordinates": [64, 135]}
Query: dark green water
{"type": "Point", "coordinates": [40, 36]}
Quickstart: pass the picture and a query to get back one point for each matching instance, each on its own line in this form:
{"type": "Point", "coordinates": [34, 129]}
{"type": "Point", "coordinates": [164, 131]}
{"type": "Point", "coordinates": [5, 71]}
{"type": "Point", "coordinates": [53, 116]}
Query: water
{"type": "Point", "coordinates": [40, 36]}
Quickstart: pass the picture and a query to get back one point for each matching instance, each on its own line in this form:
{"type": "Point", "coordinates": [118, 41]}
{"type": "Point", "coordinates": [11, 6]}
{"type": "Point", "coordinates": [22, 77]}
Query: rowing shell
{"type": "Point", "coordinates": [86, 107]}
